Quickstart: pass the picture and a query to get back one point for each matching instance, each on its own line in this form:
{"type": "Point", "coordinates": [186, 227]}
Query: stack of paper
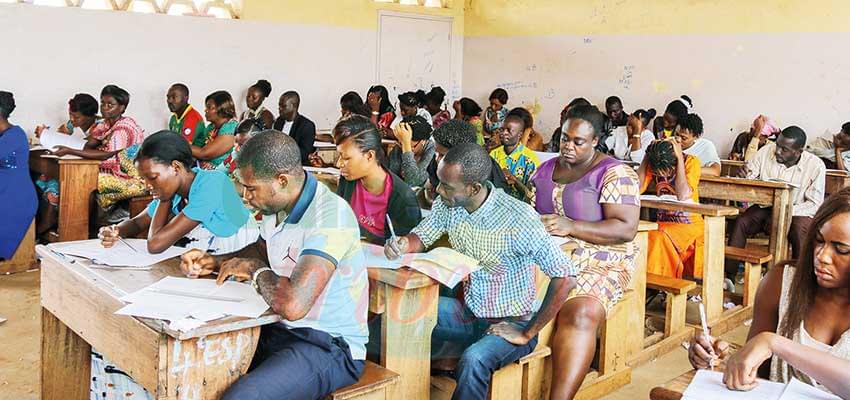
{"type": "Point", "coordinates": [445, 265]}
{"type": "Point", "coordinates": [174, 299]}
{"type": "Point", "coordinates": [126, 253]}
{"type": "Point", "coordinates": [50, 139]}
{"type": "Point", "coordinates": [708, 385]}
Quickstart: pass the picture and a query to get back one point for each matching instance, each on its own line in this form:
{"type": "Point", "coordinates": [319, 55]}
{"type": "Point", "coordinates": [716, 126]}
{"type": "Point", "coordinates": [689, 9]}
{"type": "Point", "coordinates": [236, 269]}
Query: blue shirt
{"type": "Point", "coordinates": [212, 201]}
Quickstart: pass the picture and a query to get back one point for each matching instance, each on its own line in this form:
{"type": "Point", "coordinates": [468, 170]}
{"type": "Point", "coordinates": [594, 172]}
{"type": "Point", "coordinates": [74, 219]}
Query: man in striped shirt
{"type": "Point", "coordinates": [497, 322]}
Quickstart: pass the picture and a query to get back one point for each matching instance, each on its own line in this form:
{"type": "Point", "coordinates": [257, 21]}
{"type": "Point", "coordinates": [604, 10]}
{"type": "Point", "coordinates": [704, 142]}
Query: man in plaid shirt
{"type": "Point", "coordinates": [496, 323]}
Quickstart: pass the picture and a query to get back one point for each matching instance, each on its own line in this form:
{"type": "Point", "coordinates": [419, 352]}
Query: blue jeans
{"type": "Point", "coordinates": [482, 355]}
{"type": "Point", "coordinates": [297, 364]}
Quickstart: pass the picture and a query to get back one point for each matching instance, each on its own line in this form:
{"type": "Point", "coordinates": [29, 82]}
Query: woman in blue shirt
{"type": "Point", "coordinates": [200, 205]}
{"type": "Point", "coordinates": [16, 188]}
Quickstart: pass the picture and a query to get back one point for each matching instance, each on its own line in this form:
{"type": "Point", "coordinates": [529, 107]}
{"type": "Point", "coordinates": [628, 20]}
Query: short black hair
{"type": "Point", "coordinates": [693, 123]}
{"type": "Point", "coordinates": [578, 101]}
{"type": "Point", "coordinates": [469, 107]}
{"type": "Point", "coordinates": [591, 115]}
{"type": "Point", "coordinates": [409, 99]}
{"type": "Point", "coordinates": [164, 147]}
{"type": "Point", "coordinates": [182, 88]}
{"type": "Point", "coordinates": [454, 132]}
{"type": "Point", "coordinates": [291, 94]}
{"type": "Point", "coordinates": [264, 86]}
{"type": "Point", "coordinates": [645, 115]}
{"type": "Point", "coordinates": [7, 104]}
{"type": "Point", "coordinates": [436, 96]}
{"type": "Point", "coordinates": [660, 155]}
{"type": "Point", "coordinates": [522, 114]}
{"type": "Point", "coordinates": [475, 164]}
{"type": "Point", "coordinates": [121, 96]}
{"type": "Point", "coordinates": [499, 94]}
{"type": "Point", "coordinates": [613, 100]}
{"type": "Point", "coordinates": [364, 134]}
{"type": "Point", "coordinates": [270, 153]}
{"type": "Point", "coordinates": [846, 128]}
{"type": "Point", "coordinates": [83, 103]}
{"type": "Point", "coordinates": [796, 133]}
{"type": "Point", "coordinates": [677, 109]}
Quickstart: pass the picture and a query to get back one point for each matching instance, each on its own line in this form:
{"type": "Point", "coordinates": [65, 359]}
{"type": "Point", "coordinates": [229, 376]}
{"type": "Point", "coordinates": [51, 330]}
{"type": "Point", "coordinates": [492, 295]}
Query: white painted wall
{"type": "Point", "coordinates": [795, 78]}
{"type": "Point", "coordinates": [53, 53]}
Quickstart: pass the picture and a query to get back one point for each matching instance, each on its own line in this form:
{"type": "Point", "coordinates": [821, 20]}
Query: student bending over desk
{"type": "Point", "coordinates": [834, 150]}
{"type": "Point", "coordinates": [629, 142]}
{"type": "Point", "coordinates": [800, 320]}
{"type": "Point", "coordinates": [689, 134]}
{"type": "Point", "coordinates": [200, 205]}
{"type": "Point", "coordinates": [786, 161]}
{"type": "Point", "coordinates": [748, 143]}
{"type": "Point", "coordinates": [19, 198]}
{"type": "Point", "coordinates": [373, 192]}
{"type": "Point", "coordinates": [592, 198]}
{"type": "Point", "coordinates": [496, 323]}
{"type": "Point", "coordinates": [675, 249]}
{"type": "Point", "coordinates": [434, 104]}
{"type": "Point", "coordinates": [114, 140]}
{"type": "Point", "coordinates": [411, 158]}
{"type": "Point", "coordinates": [213, 145]}
{"type": "Point", "coordinates": [311, 273]}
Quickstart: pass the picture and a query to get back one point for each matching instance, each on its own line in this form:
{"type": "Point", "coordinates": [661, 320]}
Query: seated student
{"type": "Point", "coordinates": [383, 112]}
{"type": "Point", "coordinates": [246, 129]}
{"type": "Point", "coordinates": [675, 249]}
{"type": "Point", "coordinates": [689, 133]}
{"type": "Point", "coordinates": [555, 141]}
{"type": "Point", "coordinates": [297, 126]}
{"type": "Point", "coordinates": [308, 266]}
{"type": "Point", "coordinates": [434, 104]}
{"type": "Point", "coordinates": [784, 161]}
{"type": "Point", "coordinates": [82, 113]}
{"type": "Point", "coordinates": [257, 94]}
{"type": "Point", "coordinates": [185, 120]}
{"type": "Point", "coordinates": [496, 323]}
{"type": "Point", "coordinates": [190, 202]}
{"type": "Point", "coordinates": [530, 138]}
{"type": "Point", "coordinates": [447, 136]}
{"type": "Point", "coordinates": [834, 150]}
{"type": "Point", "coordinates": [19, 199]}
{"type": "Point", "coordinates": [410, 159]}
{"type": "Point", "coordinates": [212, 146]}
{"type": "Point", "coordinates": [677, 110]}
{"type": "Point", "coordinates": [494, 115]}
{"type": "Point", "coordinates": [468, 110]}
{"type": "Point", "coordinates": [614, 111]}
{"type": "Point", "coordinates": [115, 141]}
{"type": "Point", "coordinates": [594, 199]}
{"type": "Point", "coordinates": [410, 104]}
{"type": "Point", "coordinates": [630, 142]}
{"type": "Point", "coordinates": [373, 192]}
{"type": "Point", "coordinates": [517, 161]}
{"type": "Point", "coordinates": [800, 321]}
{"type": "Point", "coordinates": [748, 143]}
{"type": "Point", "coordinates": [352, 104]}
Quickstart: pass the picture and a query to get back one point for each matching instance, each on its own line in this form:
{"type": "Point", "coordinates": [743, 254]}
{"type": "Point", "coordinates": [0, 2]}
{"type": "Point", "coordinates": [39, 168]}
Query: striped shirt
{"type": "Point", "coordinates": [124, 133]}
{"type": "Point", "coordinates": [508, 239]}
{"type": "Point", "coordinates": [808, 175]}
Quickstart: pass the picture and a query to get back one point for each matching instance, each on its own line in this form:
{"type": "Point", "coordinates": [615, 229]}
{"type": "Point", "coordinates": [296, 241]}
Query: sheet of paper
{"type": "Point", "coordinates": [665, 197]}
{"type": "Point", "coordinates": [120, 255]}
{"type": "Point", "coordinates": [50, 139]}
{"type": "Point", "coordinates": [796, 390]}
{"type": "Point", "coordinates": [545, 156]}
{"type": "Point", "coordinates": [445, 265]}
{"type": "Point", "coordinates": [324, 145]}
{"type": "Point", "coordinates": [326, 170]}
{"type": "Point", "coordinates": [708, 385]}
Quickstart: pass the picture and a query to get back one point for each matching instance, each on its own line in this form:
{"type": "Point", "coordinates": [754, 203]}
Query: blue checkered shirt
{"type": "Point", "coordinates": [509, 240]}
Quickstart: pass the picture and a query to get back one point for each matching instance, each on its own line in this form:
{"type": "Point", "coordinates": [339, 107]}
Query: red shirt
{"type": "Point", "coordinates": [370, 209]}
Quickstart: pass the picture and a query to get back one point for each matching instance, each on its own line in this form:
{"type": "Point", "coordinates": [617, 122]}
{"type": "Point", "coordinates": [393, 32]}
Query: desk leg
{"type": "Point", "coordinates": [65, 361]}
{"type": "Point", "coordinates": [637, 315]}
{"type": "Point", "coordinates": [77, 182]}
{"type": "Point", "coordinates": [406, 324]}
{"type": "Point", "coordinates": [781, 224]}
{"type": "Point", "coordinates": [712, 270]}
{"type": "Point", "coordinates": [203, 368]}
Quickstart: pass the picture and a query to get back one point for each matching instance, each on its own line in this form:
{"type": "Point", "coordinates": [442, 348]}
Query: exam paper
{"type": "Point", "coordinates": [665, 197]}
{"type": "Point", "coordinates": [325, 170]}
{"type": "Point", "coordinates": [50, 139]}
{"type": "Point", "coordinates": [708, 385]}
{"type": "Point", "coordinates": [120, 255]}
{"type": "Point", "coordinates": [796, 390]}
{"type": "Point", "coordinates": [445, 265]}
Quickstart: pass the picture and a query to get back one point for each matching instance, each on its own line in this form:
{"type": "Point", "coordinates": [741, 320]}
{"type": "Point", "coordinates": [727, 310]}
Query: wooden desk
{"type": "Point", "coordinates": [78, 180]}
{"type": "Point", "coordinates": [836, 180]}
{"type": "Point", "coordinates": [777, 195]}
{"type": "Point", "coordinates": [731, 167]}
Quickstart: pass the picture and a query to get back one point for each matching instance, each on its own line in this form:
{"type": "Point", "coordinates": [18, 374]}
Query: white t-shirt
{"type": "Point", "coordinates": [619, 143]}
{"type": "Point", "coordinates": [287, 126]}
{"type": "Point", "coordinates": [704, 150]}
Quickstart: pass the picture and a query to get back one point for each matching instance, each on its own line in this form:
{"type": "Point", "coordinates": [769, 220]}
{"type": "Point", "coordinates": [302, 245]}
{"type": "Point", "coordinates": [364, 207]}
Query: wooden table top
{"type": "Point", "coordinates": [711, 210]}
{"type": "Point", "coordinates": [673, 389]}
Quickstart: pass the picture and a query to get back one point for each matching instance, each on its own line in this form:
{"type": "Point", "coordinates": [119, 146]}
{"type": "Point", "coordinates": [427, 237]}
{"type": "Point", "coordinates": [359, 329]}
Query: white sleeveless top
{"type": "Point", "coordinates": [780, 371]}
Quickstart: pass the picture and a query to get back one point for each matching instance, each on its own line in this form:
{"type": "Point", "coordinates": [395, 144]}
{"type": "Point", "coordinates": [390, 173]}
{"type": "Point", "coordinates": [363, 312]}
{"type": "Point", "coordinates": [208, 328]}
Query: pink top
{"type": "Point", "coordinates": [370, 209]}
{"type": "Point", "coordinates": [119, 136]}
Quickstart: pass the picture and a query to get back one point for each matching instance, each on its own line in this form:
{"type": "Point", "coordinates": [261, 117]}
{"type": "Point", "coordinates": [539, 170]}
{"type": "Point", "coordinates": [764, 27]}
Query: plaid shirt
{"type": "Point", "coordinates": [508, 239]}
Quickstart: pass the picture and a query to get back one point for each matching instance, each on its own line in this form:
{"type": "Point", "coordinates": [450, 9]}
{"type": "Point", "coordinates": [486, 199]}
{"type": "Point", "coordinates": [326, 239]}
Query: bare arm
{"type": "Point", "coordinates": [220, 145]}
{"type": "Point", "coordinates": [828, 370]}
{"type": "Point", "coordinates": [839, 160]}
{"type": "Point", "coordinates": [556, 295]}
{"type": "Point", "coordinates": [293, 297]}
{"type": "Point", "coordinates": [683, 189]}
{"type": "Point", "coordinates": [711, 170]}
{"type": "Point", "coordinates": [619, 226]}
{"type": "Point", "coordinates": [164, 230]}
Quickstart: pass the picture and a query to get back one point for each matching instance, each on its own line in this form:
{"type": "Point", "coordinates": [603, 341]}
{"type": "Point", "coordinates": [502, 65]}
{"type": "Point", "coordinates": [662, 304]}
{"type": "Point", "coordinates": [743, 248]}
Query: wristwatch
{"type": "Point", "coordinates": [375, 113]}
{"type": "Point", "coordinates": [256, 275]}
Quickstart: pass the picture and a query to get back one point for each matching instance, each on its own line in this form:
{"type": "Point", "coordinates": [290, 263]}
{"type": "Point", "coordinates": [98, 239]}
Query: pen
{"type": "Point", "coordinates": [209, 244]}
{"type": "Point", "coordinates": [392, 230]}
{"type": "Point", "coordinates": [705, 330]}
{"type": "Point", "coordinates": [126, 243]}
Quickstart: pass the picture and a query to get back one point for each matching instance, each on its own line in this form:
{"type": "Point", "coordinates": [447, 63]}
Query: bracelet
{"type": "Point", "coordinates": [256, 275]}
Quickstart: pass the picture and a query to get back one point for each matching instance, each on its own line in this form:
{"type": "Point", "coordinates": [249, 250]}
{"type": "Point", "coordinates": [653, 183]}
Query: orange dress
{"type": "Point", "coordinates": [676, 248]}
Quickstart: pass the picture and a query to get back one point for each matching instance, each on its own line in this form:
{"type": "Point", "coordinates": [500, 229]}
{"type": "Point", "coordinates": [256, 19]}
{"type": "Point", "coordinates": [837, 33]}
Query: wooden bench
{"type": "Point", "coordinates": [24, 257]}
{"type": "Point", "coordinates": [753, 260]}
{"type": "Point", "coordinates": [375, 384]}
{"type": "Point", "coordinates": [677, 299]}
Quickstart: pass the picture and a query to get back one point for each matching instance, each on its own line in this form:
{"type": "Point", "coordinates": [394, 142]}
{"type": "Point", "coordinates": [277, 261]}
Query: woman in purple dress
{"type": "Point", "coordinates": [16, 188]}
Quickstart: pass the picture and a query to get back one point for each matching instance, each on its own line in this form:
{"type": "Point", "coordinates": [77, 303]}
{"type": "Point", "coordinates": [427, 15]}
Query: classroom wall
{"type": "Point", "coordinates": [735, 59]}
{"type": "Point", "coordinates": [321, 48]}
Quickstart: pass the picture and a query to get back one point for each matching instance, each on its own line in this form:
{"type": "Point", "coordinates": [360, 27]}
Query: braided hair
{"type": "Point", "coordinates": [660, 156]}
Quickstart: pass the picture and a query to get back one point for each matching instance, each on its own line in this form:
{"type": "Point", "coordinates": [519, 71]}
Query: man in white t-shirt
{"type": "Point", "coordinates": [312, 274]}
{"type": "Point", "coordinates": [689, 132]}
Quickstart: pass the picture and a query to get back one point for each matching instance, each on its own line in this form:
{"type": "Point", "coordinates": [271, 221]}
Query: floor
{"type": "Point", "coordinates": [19, 346]}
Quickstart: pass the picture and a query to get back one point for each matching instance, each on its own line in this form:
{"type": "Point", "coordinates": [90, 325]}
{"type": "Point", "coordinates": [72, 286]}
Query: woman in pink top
{"type": "Point", "coordinates": [372, 191]}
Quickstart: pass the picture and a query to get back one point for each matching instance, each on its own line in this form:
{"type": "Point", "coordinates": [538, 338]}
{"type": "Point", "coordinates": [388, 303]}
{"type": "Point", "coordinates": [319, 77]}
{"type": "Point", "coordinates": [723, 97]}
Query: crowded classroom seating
{"type": "Point", "coordinates": [582, 253]}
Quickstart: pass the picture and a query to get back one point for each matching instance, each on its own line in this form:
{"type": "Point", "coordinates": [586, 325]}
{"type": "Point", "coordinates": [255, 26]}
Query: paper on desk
{"type": "Point", "coordinates": [445, 265]}
{"type": "Point", "coordinates": [323, 145]}
{"type": "Point", "coordinates": [119, 255]}
{"type": "Point", "coordinates": [326, 170]}
{"type": "Point", "coordinates": [795, 390]}
{"type": "Point", "coordinates": [50, 139]}
{"type": "Point", "coordinates": [665, 197]}
{"type": "Point", "coordinates": [708, 385]}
